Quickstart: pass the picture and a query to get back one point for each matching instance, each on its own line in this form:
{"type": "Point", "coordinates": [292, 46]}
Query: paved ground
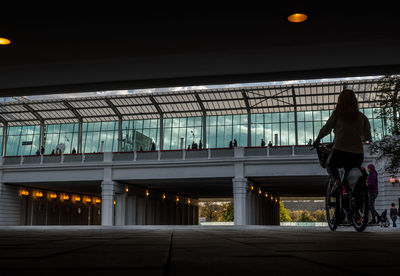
{"type": "Point", "coordinates": [198, 250]}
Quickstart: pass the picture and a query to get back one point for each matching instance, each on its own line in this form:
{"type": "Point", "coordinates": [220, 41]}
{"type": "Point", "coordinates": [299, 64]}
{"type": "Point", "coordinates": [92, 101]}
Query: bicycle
{"type": "Point", "coordinates": [348, 205]}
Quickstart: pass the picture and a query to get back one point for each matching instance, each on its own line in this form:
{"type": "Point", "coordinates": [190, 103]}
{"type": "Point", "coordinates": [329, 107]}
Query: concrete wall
{"type": "Point", "coordinates": [10, 205]}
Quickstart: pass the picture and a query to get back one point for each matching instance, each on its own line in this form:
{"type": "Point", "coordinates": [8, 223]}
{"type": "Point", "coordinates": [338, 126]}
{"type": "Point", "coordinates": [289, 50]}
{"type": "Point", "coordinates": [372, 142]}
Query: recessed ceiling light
{"type": "Point", "coordinates": [297, 17]}
{"type": "Point", "coordinates": [4, 41]}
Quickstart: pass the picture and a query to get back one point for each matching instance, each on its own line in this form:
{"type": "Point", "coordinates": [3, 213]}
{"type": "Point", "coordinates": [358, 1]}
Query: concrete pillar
{"type": "Point", "coordinates": [140, 210]}
{"type": "Point", "coordinates": [172, 212]}
{"type": "Point", "coordinates": [107, 202]}
{"type": "Point", "coordinates": [179, 213]}
{"type": "Point", "coordinates": [120, 209]}
{"type": "Point", "coordinates": [240, 200]}
{"type": "Point", "coordinates": [148, 218]}
{"type": "Point", "coordinates": [131, 210]}
{"type": "Point", "coordinates": [196, 215]}
{"type": "Point", "coordinates": [164, 212]}
{"type": "Point", "coordinates": [185, 214]}
{"type": "Point", "coordinates": [190, 214]}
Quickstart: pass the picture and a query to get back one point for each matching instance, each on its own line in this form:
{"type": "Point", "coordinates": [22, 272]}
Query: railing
{"type": "Point", "coordinates": [143, 156]}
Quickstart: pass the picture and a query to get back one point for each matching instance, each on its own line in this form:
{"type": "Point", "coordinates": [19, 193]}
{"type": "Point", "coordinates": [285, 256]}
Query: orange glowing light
{"type": "Point", "coordinates": [52, 195]}
{"type": "Point", "coordinates": [76, 198]}
{"type": "Point", "coordinates": [4, 41]}
{"type": "Point", "coordinates": [87, 199]}
{"type": "Point", "coordinates": [297, 17]}
{"type": "Point", "coordinates": [38, 194]}
{"type": "Point", "coordinates": [64, 197]}
{"type": "Point", "coordinates": [23, 192]}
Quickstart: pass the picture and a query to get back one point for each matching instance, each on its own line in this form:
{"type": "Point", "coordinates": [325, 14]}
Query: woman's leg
{"type": "Point", "coordinates": [372, 197]}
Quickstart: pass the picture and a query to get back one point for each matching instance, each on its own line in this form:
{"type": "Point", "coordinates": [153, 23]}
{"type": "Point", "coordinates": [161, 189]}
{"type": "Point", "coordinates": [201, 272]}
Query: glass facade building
{"type": "Point", "coordinates": [281, 114]}
{"type": "Point", "coordinates": [279, 128]}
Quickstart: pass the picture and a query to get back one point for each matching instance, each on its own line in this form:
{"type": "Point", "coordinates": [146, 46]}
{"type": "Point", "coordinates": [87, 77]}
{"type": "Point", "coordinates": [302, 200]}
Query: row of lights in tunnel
{"type": "Point", "coordinates": [164, 196]}
{"type": "Point", "coordinates": [293, 18]}
{"type": "Point", "coordinates": [74, 198]}
{"type": "Point", "coordinates": [270, 196]}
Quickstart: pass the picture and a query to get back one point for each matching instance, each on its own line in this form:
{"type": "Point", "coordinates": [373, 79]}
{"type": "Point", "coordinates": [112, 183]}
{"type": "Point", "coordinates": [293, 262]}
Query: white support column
{"type": "Point", "coordinates": [107, 202]}
{"type": "Point", "coordinates": [240, 200]}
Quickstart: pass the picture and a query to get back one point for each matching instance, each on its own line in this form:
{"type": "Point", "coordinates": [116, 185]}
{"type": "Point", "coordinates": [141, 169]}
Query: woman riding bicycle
{"type": "Point", "coordinates": [351, 128]}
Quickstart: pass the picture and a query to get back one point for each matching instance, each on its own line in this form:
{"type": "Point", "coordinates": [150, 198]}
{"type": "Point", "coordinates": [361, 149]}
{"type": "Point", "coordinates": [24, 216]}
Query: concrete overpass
{"type": "Point", "coordinates": [133, 186]}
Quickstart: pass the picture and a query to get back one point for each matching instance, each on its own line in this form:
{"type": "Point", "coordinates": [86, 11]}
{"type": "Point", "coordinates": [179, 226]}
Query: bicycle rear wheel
{"type": "Point", "coordinates": [331, 205]}
{"type": "Point", "coordinates": [359, 207]}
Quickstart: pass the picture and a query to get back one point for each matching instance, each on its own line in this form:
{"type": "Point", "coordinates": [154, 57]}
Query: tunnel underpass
{"type": "Point", "coordinates": [155, 202]}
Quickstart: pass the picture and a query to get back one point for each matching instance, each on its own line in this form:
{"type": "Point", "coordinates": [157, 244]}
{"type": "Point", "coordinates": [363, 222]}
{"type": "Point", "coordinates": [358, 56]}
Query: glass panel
{"type": "Point", "coordinates": [317, 115]}
{"type": "Point", "coordinates": [190, 121]}
{"type": "Point", "coordinates": [267, 118]}
{"type": "Point", "coordinates": [243, 136]}
{"type": "Point", "coordinates": [211, 137]}
{"type": "Point", "coordinates": [213, 120]}
{"type": "Point", "coordinates": [146, 124]}
{"type": "Point", "coordinates": [325, 115]}
{"type": "Point", "coordinates": [167, 122]}
{"type": "Point", "coordinates": [284, 117]}
{"type": "Point", "coordinates": [301, 133]}
{"type": "Point", "coordinates": [309, 131]}
{"type": "Point", "coordinates": [308, 116]}
{"type": "Point", "coordinates": [243, 119]}
{"type": "Point", "coordinates": [275, 117]}
{"type": "Point", "coordinates": [275, 134]}
{"type": "Point", "coordinates": [284, 134]}
{"type": "Point", "coordinates": [292, 134]}
{"type": "Point", "coordinates": [300, 116]}
{"type": "Point", "coordinates": [291, 116]}
{"type": "Point", "coordinates": [221, 120]}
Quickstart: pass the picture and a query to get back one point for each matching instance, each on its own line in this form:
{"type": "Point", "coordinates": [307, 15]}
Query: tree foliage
{"type": "Point", "coordinates": [283, 213]}
{"type": "Point", "coordinates": [389, 102]}
{"type": "Point", "coordinates": [216, 212]}
{"type": "Point", "coordinates": [307, 216]}
{"type": "Point", "coordinates": [388, 89]}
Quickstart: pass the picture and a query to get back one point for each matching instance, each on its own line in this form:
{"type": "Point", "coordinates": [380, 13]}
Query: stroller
{"type": "Point", "coordinates": [383, 220]}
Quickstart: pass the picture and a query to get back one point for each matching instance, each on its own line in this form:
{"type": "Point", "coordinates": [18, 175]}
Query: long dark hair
{"type": "Point", "coordinates": [347, 105]}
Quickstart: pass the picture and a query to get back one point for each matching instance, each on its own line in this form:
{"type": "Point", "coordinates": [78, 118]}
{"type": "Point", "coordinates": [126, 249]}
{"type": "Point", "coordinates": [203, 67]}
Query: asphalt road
{"type": "Point", "coordinates": [198, 250]}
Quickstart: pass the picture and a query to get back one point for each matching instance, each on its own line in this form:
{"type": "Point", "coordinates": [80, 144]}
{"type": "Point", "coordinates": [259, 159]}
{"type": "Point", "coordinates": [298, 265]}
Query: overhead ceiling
{"type": "Point", "coordinates": [90, 51]}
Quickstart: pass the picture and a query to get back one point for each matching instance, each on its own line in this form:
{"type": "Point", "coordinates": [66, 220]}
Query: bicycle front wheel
{"type": "Point", "coordinates": [359, 207]}
{"type": "Point", "coordinates": [331, 205]}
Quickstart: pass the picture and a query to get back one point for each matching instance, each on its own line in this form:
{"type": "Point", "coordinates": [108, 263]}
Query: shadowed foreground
{"type": "Point", "coordinates": [196, 250]}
